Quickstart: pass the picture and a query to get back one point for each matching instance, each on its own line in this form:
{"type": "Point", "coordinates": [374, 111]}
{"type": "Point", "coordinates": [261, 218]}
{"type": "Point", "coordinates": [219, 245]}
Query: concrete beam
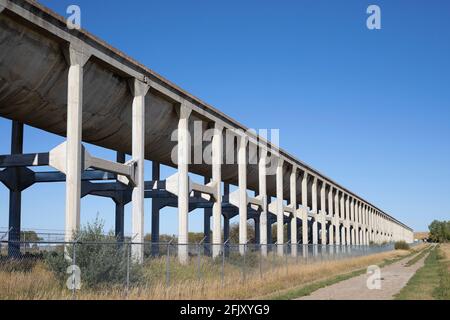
{"type": "Point", "coordinates": [24, 160]}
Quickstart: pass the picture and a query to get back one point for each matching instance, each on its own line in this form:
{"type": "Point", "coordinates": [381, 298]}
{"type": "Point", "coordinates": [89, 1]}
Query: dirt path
{"type": "Point", "coordinates": [393, 278]}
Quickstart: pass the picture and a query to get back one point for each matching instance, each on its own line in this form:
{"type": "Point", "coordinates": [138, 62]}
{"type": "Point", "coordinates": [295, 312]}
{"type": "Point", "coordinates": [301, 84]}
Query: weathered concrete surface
{"type": "Point", "coordinates": [394, 278]}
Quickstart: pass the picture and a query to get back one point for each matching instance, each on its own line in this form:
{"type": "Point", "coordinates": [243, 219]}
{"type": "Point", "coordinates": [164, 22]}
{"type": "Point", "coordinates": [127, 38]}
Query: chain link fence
{"type": "Point", "coordinates": [102, 269]}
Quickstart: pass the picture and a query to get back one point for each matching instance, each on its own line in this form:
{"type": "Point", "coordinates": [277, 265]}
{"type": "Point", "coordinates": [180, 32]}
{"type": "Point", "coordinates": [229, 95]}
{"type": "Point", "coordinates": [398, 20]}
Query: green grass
{"type": "Point", "coordinates": [308, 289]}
{"type": "Point", "coordinates": [431, 282]}
{"type": "Point", "coordinates": [418, 257]}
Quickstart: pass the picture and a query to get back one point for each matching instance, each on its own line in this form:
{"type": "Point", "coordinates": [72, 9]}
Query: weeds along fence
{"type": "Point", "coordinates": [77, 268]}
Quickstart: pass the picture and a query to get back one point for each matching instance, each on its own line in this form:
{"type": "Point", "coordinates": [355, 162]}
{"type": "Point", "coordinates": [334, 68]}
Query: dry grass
{"type": "Point", "coordinates": [41, 284]}
{"type": "Point", "coordinates": [37, 284]}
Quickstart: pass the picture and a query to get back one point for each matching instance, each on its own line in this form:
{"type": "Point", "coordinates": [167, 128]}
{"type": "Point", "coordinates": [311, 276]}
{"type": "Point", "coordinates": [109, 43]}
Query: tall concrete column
{"type": "Point", "coordinates": [305, 209]}
{"type": "Point", "coordinates": [337, 218]}
{"type": "Point", "coordinates": [315, 233]}
{"type": "Point", "coordinates": [15, 194]}
{"type": "Point", "coordinates": [352, 218]}
{"type": "Point", "coordinates": [293, 204]}
{"type": "Point", "coordinates": [77, 59]}
{"type": "Point", "coordinates": [347, 220]}
{"type": "Point", "coordinates": [368, 226]}
{"type": "Point", "coordinates": [217, 159]}
{"type": "Point", "coordinates": [120, 207]}
{"type": "Point", "coordinates": [263, 194]}
{"type": "Point", "coordinates": [156, 175]}
{"type": "Point", "coordinates": [331, 213]}
{"type": "Point", "coordinates": [183, 182]}
{"type": "Point", "coordinates": [343, 216]}
{"type": "Point", "coordinates": [140, 90]}
{"type": "Point", "coordinates": [366, 217]}
{"type": "Point", "coordinates": [323, 214]}
{"type": "Point", "coordinates": [280, 208]}
{"type": "Point", "coordinates": [242, 168]}
{"type": "Point", "coordinates": [358, 221]}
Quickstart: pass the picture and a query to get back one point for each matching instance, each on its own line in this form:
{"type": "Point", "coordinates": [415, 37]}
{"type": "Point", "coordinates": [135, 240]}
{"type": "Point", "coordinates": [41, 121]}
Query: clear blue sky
{"type": "Point", "coordinates": [370, 109]}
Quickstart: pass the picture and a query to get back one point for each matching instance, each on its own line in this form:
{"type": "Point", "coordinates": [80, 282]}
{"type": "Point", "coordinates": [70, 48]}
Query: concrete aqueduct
{"type": "Point", "coordinates": [72, 84]}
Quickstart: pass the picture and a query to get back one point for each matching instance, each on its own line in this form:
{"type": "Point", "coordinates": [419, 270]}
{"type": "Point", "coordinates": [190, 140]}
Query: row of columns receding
{"type": "Point", "coordinates": [341, 218]}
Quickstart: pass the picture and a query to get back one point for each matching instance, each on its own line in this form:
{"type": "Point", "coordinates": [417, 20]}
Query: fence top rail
{"type": "Point", "coordinates": [228, 244]}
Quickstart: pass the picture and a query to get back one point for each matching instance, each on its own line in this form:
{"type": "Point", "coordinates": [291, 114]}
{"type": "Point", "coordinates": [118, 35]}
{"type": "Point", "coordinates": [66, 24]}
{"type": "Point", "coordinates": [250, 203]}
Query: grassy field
{"type": "Point", "coordinates": [432, 281]}
{"type": "Point", "coordinates": [41, 283]}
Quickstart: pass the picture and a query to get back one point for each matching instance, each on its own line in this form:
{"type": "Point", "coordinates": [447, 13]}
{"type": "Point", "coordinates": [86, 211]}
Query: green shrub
{"type": "Point", "coordinates": [101, 259]}
{"type": "Point", "coordinates": [401, 245]}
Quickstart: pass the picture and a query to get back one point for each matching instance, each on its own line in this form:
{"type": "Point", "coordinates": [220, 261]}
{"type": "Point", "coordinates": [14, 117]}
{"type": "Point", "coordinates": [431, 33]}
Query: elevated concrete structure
{"type": "Point", "coordinates": [72, 84]}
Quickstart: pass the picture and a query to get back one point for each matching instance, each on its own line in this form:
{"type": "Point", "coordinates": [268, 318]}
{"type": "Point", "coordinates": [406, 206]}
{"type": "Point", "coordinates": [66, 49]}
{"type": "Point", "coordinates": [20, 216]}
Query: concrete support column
{"type": "Point", "coordinates": [217, 159]}
{"type": "Point", "coordinates": [74, 167]}
{"type": "Point", "coordinates": [183, 182]}
{"type": "Point", "coordinates": [331, 213]}
{"type": "Point", "coordinates": [15, 195]}
{"type": "Point", "coordinates": [293, 204]}
{"type": "Point", "coordinates": [358, 220]}
{"type": "Point", "coordinates": [140, 90]}
{"type": "Point", "coordinates": [156, 175]}
{"type": "Point", "coordinates": [305, 208]}
{"type": "Point", "coordinates": [120, 207]}
{"type": "Point", "coordinates": [315, 233]}
{"type": "Point", "coordinates": [263, 194]}
{"type": "Point", "coordinates": [361, 240]}
{"type": "Point", "coordinates": [366, 229]}
{"type": "Point", "coordinates": [323, 214]}
{"type": "Point", "coordinates": [280, 208]}
{"type": "Point", "coordinates": [342, 211]}
{"type": "Point", "coordinates": [352, 217]}
{"type": "Point", "coordinates": [337, 217]}
{"type": "Point", "coordinates": [347, 220]}
{"type": "Point", "coordinates": [242, 168]}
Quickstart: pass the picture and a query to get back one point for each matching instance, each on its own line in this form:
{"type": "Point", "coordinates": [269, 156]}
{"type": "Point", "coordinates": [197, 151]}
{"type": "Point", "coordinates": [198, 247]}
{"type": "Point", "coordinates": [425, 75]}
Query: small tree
{"type": "Point", "coordinates": [401, 245]}
{"type": "Point", "coordinates": [100, 258]}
